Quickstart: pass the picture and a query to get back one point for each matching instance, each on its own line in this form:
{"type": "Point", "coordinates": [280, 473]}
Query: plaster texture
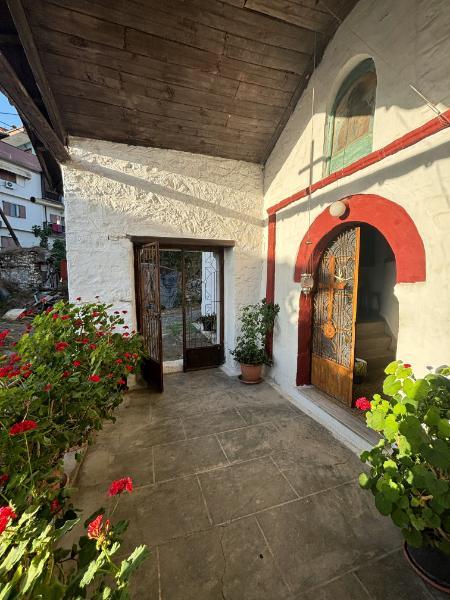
{"type": "Point", "coordinates": [409, 43]}
{"type": "Point", "coordinates": [114, 191]}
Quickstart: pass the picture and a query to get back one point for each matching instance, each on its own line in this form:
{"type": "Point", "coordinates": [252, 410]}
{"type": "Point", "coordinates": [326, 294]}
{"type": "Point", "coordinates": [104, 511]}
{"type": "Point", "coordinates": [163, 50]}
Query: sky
{"type": "Point", "coordinates": [11, 118]}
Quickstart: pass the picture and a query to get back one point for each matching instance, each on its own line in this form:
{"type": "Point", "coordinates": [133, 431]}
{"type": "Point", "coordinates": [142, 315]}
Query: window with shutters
{"type": "Point", "coordinates": [7, 242]}
{"type": "Point", "coordinates": [350, 123]}
{"type": "Point", "coordinates": [7, 176]}
{"type": "Point", "coordinates": [14, 210]}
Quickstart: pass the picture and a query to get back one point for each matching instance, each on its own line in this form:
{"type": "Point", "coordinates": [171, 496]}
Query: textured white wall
{"type": "Point", "coordinates": [409, 43]}
{"type": "Point", "coordinates": [113, 191]}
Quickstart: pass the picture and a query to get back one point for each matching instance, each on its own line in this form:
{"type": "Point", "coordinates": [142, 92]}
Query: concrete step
{"type": "Point", "coordinates": [372, 342]}
{"type": "Point", "coordinates": [370, 328]}
{"type": "Point", "coordinates": [378, 362]}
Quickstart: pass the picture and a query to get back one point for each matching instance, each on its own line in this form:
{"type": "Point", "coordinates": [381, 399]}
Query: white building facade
{"type": "Point", "coordinates": [21, 198]}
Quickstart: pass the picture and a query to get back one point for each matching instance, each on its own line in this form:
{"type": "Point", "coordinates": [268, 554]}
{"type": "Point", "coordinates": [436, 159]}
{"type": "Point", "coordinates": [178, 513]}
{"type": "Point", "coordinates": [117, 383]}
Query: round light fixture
{"type": "Point", "coordinates": [338, 209]}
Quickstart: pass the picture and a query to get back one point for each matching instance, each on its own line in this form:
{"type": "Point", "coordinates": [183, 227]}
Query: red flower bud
{"type": "Point", "coordinates": [94, 378]}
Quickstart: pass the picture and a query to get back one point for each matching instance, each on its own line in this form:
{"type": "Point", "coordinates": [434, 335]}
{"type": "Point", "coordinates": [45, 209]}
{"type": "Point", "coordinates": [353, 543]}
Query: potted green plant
{"type": "Point", "coordinates": [410, 466]}
{"type": "Point", "coordinates": [208, 322]}
{"type": "Point", "coordinates": [257, 321]}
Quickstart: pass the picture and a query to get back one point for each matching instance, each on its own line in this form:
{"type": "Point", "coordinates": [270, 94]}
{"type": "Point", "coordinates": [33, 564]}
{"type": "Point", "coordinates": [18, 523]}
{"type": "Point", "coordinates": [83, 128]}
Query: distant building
{"type": "Point", "coordinates": [23, 195]}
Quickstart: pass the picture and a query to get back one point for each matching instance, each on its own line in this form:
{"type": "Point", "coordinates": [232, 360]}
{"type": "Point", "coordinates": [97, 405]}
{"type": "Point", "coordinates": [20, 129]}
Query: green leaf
{"type": "Point", "coordinates": [391, 385]}
{"type": "Point", "coordinates": [413, 537]}
{"type": "Point", "coordinates": [392, 367]}
{"type": "Point", "coordinates": [34, 570]}
{"type": "Point", "coordinates": [416, 390]}
{"type": "Point", "coordinates": [128, 566]}
{"type": "Point", "coordinates": [390, 466]}
{"type": "Point", "coordinates": [444, 427]}
{"type": "Point", "coordinates": [364, 481]}
{"type": "Point", "coordinates": [400, 517]}
{"type": "Point", "coordinates": [432, 416]}
{"type": "Point", "coordinates": [399, 409]}
{"type": "Point", "coordinates": [383, 504]}
{"type": "Point", "coordinates": [92, 570]}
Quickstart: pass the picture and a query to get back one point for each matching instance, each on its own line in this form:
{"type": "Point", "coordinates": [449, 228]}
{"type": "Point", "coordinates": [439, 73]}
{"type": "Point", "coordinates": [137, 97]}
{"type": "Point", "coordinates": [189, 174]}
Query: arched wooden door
{"type": "Point", "coordinates": [334, 316]}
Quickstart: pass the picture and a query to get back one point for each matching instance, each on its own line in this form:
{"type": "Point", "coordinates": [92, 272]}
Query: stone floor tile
{"type": "Point", "coordinates": [391, 578]}
{"type": "Point", "coordinates": [245, 443]}
{"type": "Point", "coordinates": [244, 488]}
{"type": "Point", "coordinates": [190, 456]}
{"type": "Point", "coordinates": [167, 511]}
{"type": "Point", "coordinates": [102, 465]}
{"type": "Point", "coordinates": [310, 457]}
{"type": "Point", "coordinates": [322, 536]}
{"type": "Point", "coordinates": [204, 424]}
{"type": "Point", "coordinates": [264, 411]}
{"type": "Point", "coordinates": [347, 587]}
{"type": "Point", "coordinates": [227, 562]}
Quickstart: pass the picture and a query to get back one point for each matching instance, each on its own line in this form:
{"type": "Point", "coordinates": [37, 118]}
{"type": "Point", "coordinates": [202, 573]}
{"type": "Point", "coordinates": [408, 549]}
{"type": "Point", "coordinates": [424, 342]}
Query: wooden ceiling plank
{"type": "Point", "coordinates": [291, 12]}
{"type": "Point", "coordinates": [155, 22]}
{"type": "Point", "coordinates": [26, 37]}
{"type": "Point", "coordinates": [267, 56]}
{"type": "Point", "coordinates": [239, 21]}
{"type": "Point", "coordinates": [74, 23]}
{"type": "Point", "coordinates": [199, 66]}
{"type": "Point", "coordinates": [13, 88]}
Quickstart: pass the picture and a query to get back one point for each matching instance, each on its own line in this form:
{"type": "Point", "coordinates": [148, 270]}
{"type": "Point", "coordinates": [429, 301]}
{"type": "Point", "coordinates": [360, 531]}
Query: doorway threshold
{"type": "Point", "coordinates": [339, 420]}
{"type": "Point", "coordinates": [173, 366]}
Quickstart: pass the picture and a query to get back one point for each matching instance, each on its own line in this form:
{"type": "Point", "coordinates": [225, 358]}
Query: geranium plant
{"type": "Point", "coordinates": [63, 378]}
{"type": "Point", "coordinates": [410, 466]}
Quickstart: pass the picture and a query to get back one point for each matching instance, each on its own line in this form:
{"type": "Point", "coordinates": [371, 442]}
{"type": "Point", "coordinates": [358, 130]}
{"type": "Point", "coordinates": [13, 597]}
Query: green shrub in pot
{"type": "Point", "coordinates": [410, 466]}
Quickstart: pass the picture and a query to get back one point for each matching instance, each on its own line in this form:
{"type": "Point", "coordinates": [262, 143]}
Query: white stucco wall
{"type": "Point", "coordinates": [409, 43]}
{"type": "Point", "coordinates": [113, 191]}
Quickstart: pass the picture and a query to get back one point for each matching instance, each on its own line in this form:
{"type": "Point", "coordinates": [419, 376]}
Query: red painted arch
{"type": "Point", "coordinates": [391, 220]}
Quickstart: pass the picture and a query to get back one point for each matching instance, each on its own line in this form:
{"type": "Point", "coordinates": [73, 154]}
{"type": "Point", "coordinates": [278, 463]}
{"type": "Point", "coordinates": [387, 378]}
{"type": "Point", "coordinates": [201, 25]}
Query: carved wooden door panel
{"type": "Point", "coordinates": [148, 280]}
{"type": "Point", "coordinates": [335, 303]}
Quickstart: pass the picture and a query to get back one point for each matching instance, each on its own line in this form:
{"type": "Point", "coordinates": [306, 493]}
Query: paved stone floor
{"type": "Point", "coordinates": [240, 496]}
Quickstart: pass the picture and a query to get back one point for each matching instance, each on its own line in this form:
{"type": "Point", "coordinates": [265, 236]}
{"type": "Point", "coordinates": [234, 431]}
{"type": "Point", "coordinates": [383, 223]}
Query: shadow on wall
{"type": "Point", "coordinates": [164, 191]}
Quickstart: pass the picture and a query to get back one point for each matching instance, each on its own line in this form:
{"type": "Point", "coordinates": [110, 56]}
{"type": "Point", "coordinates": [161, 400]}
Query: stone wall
{"type": "Point", "coordinates": [23, 268]}
{"type": "Point", "coordinates": [114, 191]}
{"type": "Point", "coordinates": [409, 43]}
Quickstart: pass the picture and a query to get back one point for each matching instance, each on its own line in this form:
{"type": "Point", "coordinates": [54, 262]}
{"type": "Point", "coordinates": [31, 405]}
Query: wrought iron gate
{"type": "Point", "coordinates": [149, 312]}
{"type": "Point", "coordinates": [335, 304]}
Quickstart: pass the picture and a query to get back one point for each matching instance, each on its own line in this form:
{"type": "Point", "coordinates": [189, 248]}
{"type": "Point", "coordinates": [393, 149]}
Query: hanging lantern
{"type": "Point", "coordinates": [306, 283]}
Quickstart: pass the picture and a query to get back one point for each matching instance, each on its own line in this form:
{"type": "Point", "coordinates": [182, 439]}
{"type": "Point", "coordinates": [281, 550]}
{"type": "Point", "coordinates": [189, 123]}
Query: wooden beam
{"type": "Point", "coordinates": [26, 37]}
{"type": "Point", "coordinates": [13, 88]}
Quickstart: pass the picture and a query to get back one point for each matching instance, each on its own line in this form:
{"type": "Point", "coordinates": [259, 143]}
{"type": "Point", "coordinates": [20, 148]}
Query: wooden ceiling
{"type": "Point", "coordinates": [210, 76]}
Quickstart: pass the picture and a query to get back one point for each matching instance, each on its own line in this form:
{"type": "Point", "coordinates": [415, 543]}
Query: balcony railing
{"type": "Point", "coordinates": [57, 230]}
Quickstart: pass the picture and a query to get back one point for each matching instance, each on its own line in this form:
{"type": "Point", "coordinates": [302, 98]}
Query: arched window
{"type": "Point", "coordinates": [350, 123]}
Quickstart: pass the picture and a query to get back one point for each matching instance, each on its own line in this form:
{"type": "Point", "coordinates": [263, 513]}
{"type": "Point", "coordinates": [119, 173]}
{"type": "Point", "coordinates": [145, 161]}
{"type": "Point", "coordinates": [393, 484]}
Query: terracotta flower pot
{"type": "Point", "coordinates": [430, 564]}
{"type": "Point", "coordinates": [251, 373]}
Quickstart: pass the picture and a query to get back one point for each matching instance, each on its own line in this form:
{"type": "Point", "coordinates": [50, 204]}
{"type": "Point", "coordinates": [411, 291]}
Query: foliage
{"type": "Point", "coordinates": [410, 466]}
{"type": "Point", "coordinates": [58, 251]}
{"type": "Point", "coordinates": [209, 322]}
{"type": "Point", "coordinates": [257, 321]}
{"type": "Point", "coordinates": [64, 377]}
{"type": "Point", "coordinates": [43, 233]}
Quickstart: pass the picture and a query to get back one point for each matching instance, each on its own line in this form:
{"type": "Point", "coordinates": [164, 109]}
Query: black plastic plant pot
{"type": "Point", "coordinates": [431, 564]}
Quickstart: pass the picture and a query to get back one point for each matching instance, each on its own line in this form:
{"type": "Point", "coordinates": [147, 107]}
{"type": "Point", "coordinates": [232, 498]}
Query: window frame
{"type": "Point", "coordinates": [365, 142]}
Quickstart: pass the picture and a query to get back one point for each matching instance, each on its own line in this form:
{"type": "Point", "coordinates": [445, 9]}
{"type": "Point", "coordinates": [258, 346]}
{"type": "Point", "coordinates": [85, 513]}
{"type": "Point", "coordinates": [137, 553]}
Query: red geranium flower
{"type": "Point", "coordinates": [96, 530]}
{"type": "Point", "coordinates": [55, 316]}
{"type": "Point", "coordinates": [76, 363]}
{"type": "Point", "coordinates": [78, 298]}
{"type": "Point", "coordinates": [22, 427]}
{"type": "Point", "coordinates": [407, 365]}
{"type": "Point", "coordinates": [6, 513]}
{"type": "Point", "coordinates": [95, 313]}
{"type": "Point", "coordinates": [3, 479]}
{"type": "Point", "coordinates": [92, 346]}
{"type": "Point", "coordinates": [121, 485]}
{"type": "Point", "coordinates": [125, 334]}
{"type": "Point", "coordinates": [66, 374]}
{"type": "Point", "coordinates": [61, 346]}
{"type": "Point", "coordinates": [47, 387]}
{"type": "Point", "coordinates": [362, 403]}
{"type": "Point", "coordinates": [121, 382]}
{"type": "Point", "coordinates": [55, 506]}
{"type": "Point", "coordinates": [65, 317]}
{"type": "Point", "coordinates": [94, 378]}
{"type": "Point", "coordinates": [119, 361]}
{"type": "Point", "coordinates": [78, 322]}
{"type": "Point", "coordinates": [129, 368]}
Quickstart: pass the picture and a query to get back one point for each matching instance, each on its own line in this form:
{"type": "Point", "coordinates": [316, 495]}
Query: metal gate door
{"type": "Point", "coordinates": [335, 304]}
{"type": "Point", "coordinates": [149, 312]}
{"type": "Point", "coordinates": [202, 309]}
